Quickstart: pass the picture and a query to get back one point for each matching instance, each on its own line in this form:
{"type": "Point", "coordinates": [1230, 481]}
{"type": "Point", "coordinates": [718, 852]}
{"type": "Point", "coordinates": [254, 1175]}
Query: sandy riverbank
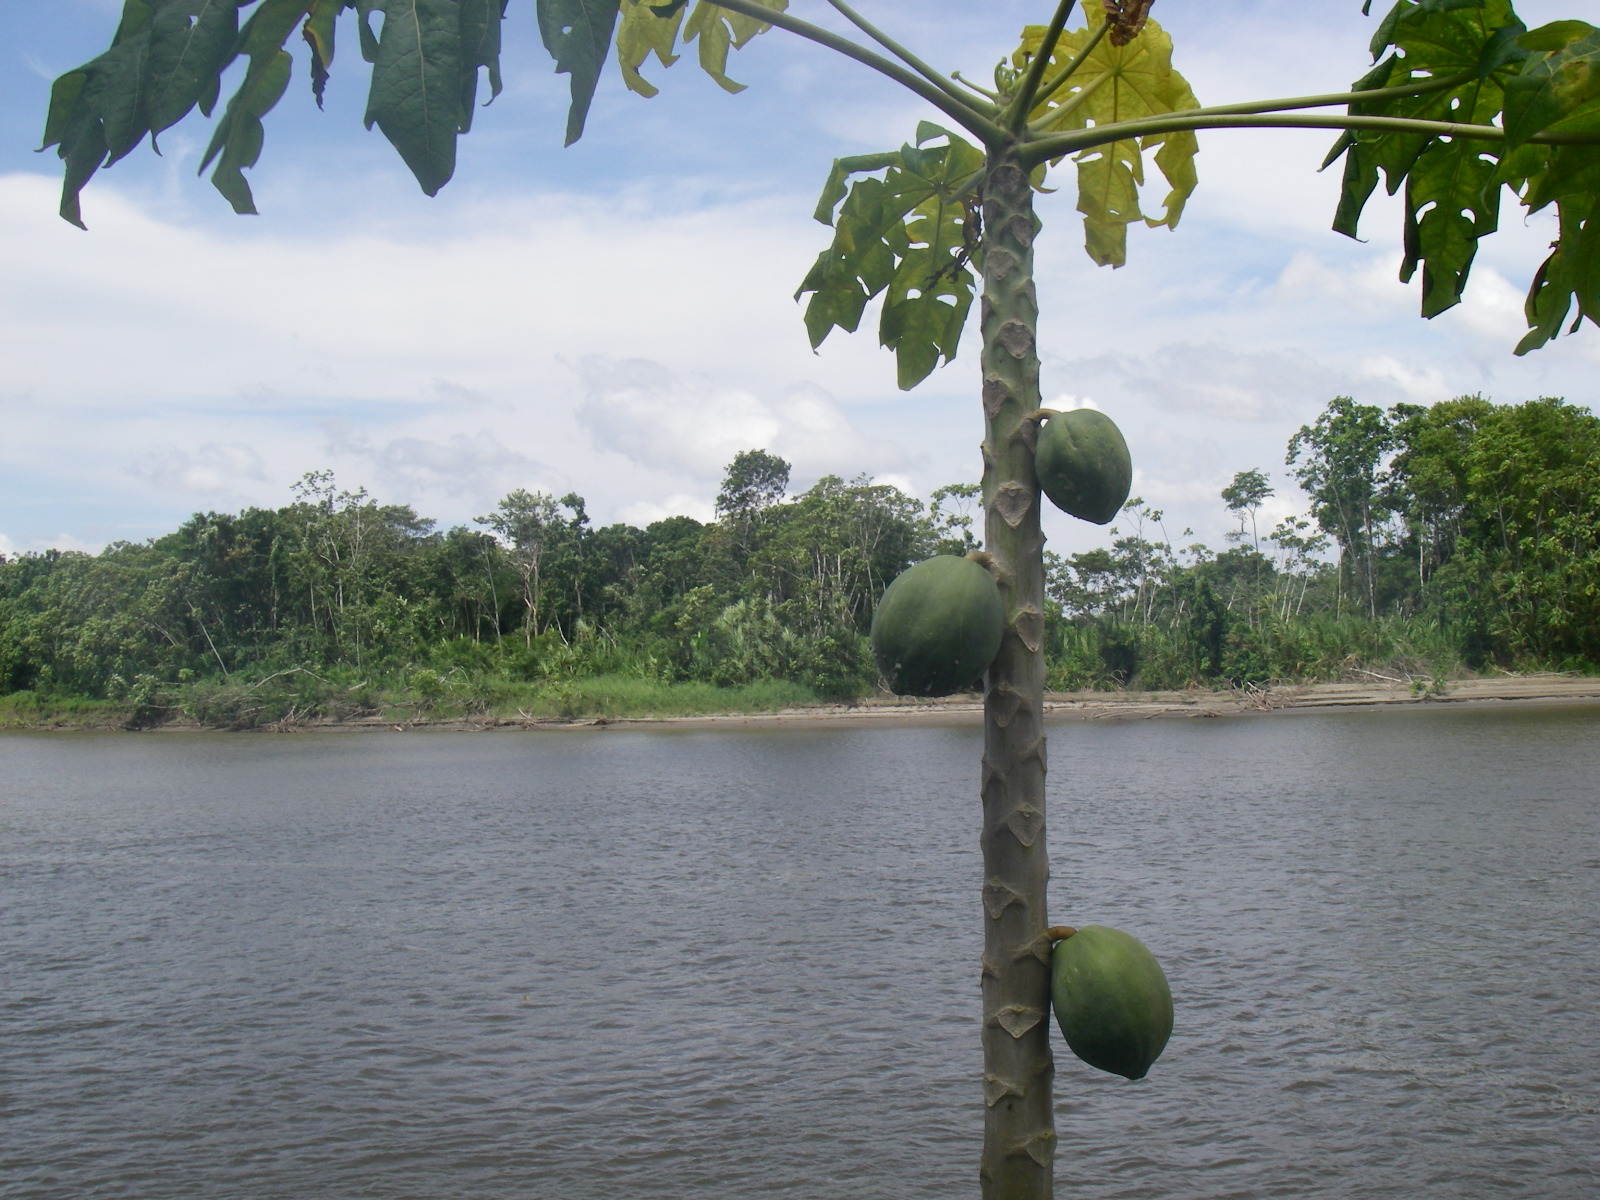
{"type": "Point", "coordinates": [1520, 690]}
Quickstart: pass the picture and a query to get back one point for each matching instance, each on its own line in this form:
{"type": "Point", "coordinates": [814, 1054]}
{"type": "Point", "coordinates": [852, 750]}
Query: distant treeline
{"type": "Point", "coordinates": [1465, 534]}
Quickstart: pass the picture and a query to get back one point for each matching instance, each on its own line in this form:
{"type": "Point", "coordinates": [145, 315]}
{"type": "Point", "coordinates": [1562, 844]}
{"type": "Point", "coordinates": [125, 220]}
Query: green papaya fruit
{"type": "Point", "coordinates": [937, 627]}
{"type": "Point", "coordinates": [1111, 1000]}
{"type": "Point", "coordinates": [1082, 464]}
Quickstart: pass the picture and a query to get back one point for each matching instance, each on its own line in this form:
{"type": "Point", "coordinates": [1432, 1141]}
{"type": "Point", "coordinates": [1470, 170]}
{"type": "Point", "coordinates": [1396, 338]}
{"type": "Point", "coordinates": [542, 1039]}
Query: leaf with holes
{"type": "Point", "coordinates": [578, 35]}
{"type": "Point", "coordinates": [908, 236]}
{"type": "Point", "coordinates": [1452, 187]}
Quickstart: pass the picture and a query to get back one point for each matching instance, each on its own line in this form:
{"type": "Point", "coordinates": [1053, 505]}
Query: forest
{"type": "Point", "coordinates": [1461, 537]}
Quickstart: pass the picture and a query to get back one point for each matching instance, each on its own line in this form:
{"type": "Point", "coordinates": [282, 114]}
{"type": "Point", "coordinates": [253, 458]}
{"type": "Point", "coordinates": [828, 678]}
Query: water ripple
{"type": "Point", "coordinates": [639, 964]}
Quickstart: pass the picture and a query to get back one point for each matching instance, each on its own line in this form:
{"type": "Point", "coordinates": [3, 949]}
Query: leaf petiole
{"type": "Point", "coordinates": [1016, 114]}
{"type": "Point", "coordinates": [1398, 91]}
{"type": "Point", "coordinates": [1072, 105]}
{"type": "Point", "coordinates": [1044, 149]}
{"type": "Point", "coordinates": [963, 110]}
{"type": "Point", "coordinates": [1060, 78]}
{"type": "Point", "coordinates": [905, 55]}
{"type": "Point", "coordinates": [967, 83]}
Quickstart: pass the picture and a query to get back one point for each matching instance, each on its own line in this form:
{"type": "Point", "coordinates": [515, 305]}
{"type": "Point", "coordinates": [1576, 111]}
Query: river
{"type": "Point", "coordinates": [620, 964]}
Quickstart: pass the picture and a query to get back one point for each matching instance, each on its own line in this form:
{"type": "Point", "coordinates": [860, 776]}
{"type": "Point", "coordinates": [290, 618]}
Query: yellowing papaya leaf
{"type": "Point", "coordinates": [645, 31]}
{"type": "Point", "coordinates": [719, 31]}
{"type": "Point", "coordinates": [318, 33]}
{"type": "Point", "coordinates": [649, 27]}
{"type": "Point", "coordinates": [1122, 78]}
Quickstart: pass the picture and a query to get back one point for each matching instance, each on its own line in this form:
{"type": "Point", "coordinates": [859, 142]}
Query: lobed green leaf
{"type": "Point", "coordinates": [1451, 185]}
{"type": "Point", "coordinates": [237, 141]}
{"type": "Point", "coordinates": [1531, 82]}
{"type": "Point", "coordinates": [909, 237]}
{"type": "Point", "coordinates": [1570, 275]}
{"type": "Point", "coordinates": [1559, 89]}
{"type": "Point", "coordinates": [578, 35]}
{"type": "Point", "coordinates": [417, 85]}
{"type": "Point", "coordinates": [168, 57]}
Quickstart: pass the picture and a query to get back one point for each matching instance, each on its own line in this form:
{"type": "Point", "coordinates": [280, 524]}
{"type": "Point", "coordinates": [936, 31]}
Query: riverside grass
{"type": "Point", "coordinates": [243, 706]}
{"type": "Point", "coordinates": [1108, 655]}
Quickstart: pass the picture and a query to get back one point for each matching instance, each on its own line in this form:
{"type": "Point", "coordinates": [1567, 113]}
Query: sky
{"type": "Point", "coordinates": [617, 318]}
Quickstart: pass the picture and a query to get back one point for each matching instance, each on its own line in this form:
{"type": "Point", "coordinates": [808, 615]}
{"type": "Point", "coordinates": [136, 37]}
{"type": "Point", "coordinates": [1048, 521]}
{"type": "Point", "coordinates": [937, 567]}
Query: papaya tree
{"type": "Point", "coordinates": [1460, 106]}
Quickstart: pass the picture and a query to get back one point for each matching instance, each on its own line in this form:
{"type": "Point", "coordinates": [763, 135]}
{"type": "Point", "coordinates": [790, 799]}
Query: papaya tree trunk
{"type": "Point", "coordinates": [1019, 1126]}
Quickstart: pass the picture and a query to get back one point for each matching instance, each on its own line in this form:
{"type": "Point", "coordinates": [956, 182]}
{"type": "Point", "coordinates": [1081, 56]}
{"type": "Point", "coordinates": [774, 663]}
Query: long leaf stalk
{"type": "Point", "coordinates": [1019, 1127]}
{"type": "Point", "coordinates": [963, 110]}
{"type": "Point", "coordinates": [1016, 114]}
{"type": "Point", "coordinates": [1061, 77]}
{"type": "Point", "coordinates": [1085, 93]}
{"type": "Point", "coordinates": [1420, 87]}
{"type": "Point", "coordinates": [1057, 145]}
{"type": "Point", "coordinates": [906, 56]}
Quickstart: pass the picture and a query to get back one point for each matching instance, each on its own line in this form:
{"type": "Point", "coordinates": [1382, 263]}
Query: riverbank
{"type": "Point", "coordinates": [1519, 690]}
{"type": "Point", "coordinates": [1375, 692]}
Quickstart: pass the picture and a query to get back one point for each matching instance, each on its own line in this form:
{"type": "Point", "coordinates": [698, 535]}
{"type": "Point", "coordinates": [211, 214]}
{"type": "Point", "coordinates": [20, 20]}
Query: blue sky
{"type": "Point", "coordinates": [616, 318]}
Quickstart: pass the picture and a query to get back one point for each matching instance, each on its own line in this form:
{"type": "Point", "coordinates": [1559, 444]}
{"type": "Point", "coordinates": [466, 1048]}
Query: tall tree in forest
{"type": "Point", "coordinates": [1337, 460]}
{"type": "Point", "coordinates": [1462, 103]}
{"type": "Point", "coordinates": [1245, 495]}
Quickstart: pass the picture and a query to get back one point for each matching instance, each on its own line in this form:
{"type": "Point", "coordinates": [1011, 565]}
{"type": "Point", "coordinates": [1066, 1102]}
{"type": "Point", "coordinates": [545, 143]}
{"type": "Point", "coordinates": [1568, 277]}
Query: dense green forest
{"type": "Point", "coordinates": [1462, 536]}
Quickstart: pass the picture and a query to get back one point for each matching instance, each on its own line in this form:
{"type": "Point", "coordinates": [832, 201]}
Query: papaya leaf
{"type": "Point", "coordinates": [910, 236]}
{"type": "Point", "coordinates": [720, 31]}
{"type": "Point", "coordinates": [1559, 90]}
{"type": "Point", "coordinates": [165, 58]}
{"type": "Point", "coordinates": [1452, 186]}
{"type": "Point", "coordinates": [416, 86]}
{"type": "Point", "coordinates": [578, 35]}
{"type": "Point", "coordinates": [136, 15]}
{"type": "Point", "coordinates": [1557, 35]}
{"type": "Point", "coordinates": [480, 49]}
{"type": "Point", "coordinates": [1571, 273]}
{"type": "Point", "coordinates": [124, 93]}
{"type": "Point", "coordinates": [835, 189]}
{"type": "Point", "coordinates": [1118, 82]}
{"type": "Point", "coordinates": [190, 43]}
{"type": "Point", "coordinates": [649, 28]}
{"type": "Point", "coordinates": [369, 39]}
{"type": "Point", "coordinates": [237, 141]}
{"type": "Point", "coordinates": [318, 32]}
{"type": "Point", "coordinates": [1452, 200]}
{"type": "Point", "coordinates": [646, 30]}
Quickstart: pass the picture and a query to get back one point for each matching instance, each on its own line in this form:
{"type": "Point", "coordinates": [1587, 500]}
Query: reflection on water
{"type": "Point", "coordinates": [659, 964]}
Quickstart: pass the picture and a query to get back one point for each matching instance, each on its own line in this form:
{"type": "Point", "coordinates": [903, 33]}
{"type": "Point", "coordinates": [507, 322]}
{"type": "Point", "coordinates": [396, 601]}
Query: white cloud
{"type": "Point", "coordinates": [688, 425]}
{"type": "Point", "coordinates": [680, 504]}
{"type": "Point", "coordinates": [1420, 385]}
{"type": "Point", "coordinates": [460, 465]}
{"type": "Point", "coordinates": [211, 468]}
